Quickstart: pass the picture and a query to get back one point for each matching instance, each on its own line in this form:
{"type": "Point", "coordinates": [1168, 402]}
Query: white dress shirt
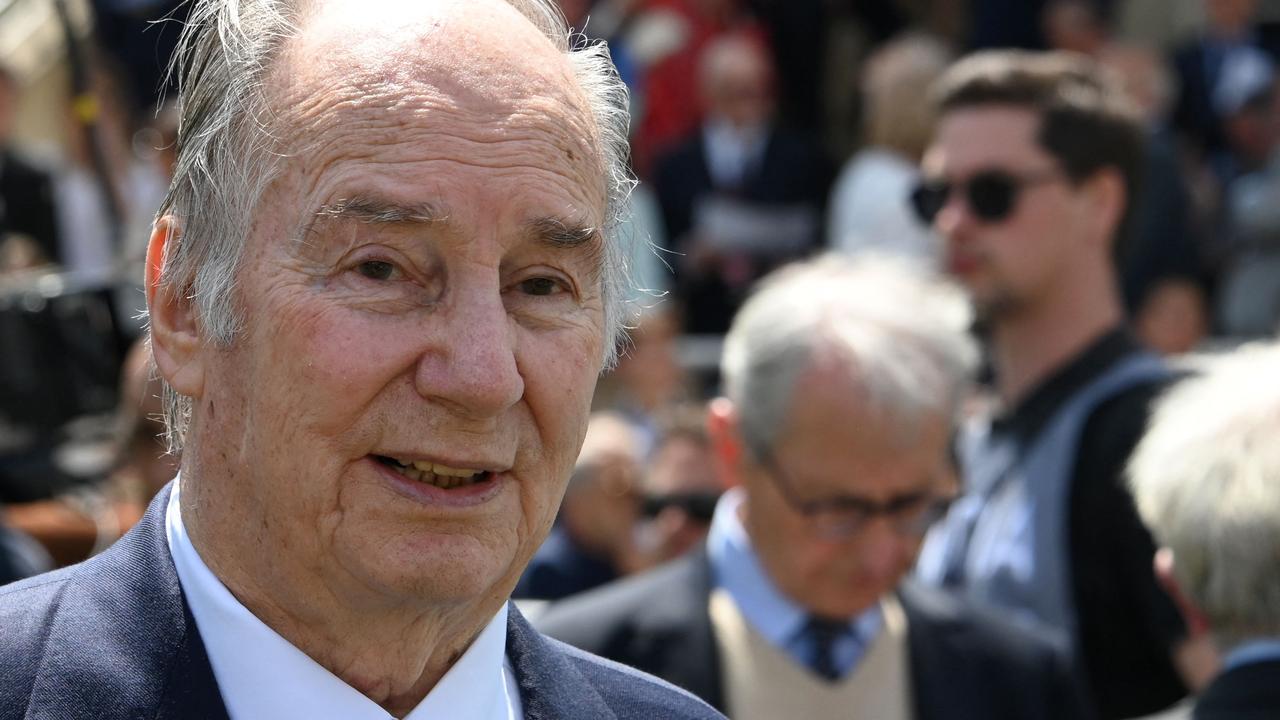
{"type": "Point", "coordinates": [870, 209]}
{"type": "Point", "coordinates": [261, 675]}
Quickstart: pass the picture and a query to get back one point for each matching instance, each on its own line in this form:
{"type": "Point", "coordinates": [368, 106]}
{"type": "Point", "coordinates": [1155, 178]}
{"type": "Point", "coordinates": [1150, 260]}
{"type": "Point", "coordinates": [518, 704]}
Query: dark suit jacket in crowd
{"type": "Point", "coordinates": [27, 205]}
{"type": "Point", "coordinates": [964, 666]}
{"type": "Point", "coordinates": [113, 639]}
{"type": "Point", "coordinates": [791, 172]}
{"type": "Point", "coordinates": [1247, 692]}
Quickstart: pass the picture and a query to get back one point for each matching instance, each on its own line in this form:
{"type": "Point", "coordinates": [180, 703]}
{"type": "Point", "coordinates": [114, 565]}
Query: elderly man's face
{"type": "Point", "coordinates": [833, 445]}
{"type": "Point", "coordinates": [421, 287]}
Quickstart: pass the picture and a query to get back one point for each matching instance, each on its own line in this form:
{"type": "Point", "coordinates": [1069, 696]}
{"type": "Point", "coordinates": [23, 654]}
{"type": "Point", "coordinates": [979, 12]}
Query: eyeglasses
{"type": "Point", "coordinates": [699, 506]}
{"type": "Point", "coordinates": [838, 517]}
{"type": "Point", "coordinates": [991, 194]}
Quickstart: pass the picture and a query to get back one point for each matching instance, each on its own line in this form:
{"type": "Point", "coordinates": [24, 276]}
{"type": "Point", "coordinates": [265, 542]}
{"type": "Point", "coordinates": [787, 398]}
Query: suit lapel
{"type": "Point", "coordinates": [122, 643]}
{"type": "Point", "coordinates": [678, 628]}
{"type": "Point", "coordinates": [940, 692]}
{"type": "Point", "coordinates": [551, 688]}
{"type": "Point", "coordinates": [1251, 690]}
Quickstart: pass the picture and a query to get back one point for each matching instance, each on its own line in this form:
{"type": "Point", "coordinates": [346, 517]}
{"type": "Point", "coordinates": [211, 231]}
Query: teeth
{"type": "Point", "coordinates": [441, 476]}
{"type": "Point", "coordinates": [438, 469]}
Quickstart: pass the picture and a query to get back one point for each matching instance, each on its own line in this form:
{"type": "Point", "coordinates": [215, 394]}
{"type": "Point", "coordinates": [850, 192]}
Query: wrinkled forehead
{"type": "Point", "coordinates": [452, 42]}
{"type": "Point", "coordinates": [478, 59]}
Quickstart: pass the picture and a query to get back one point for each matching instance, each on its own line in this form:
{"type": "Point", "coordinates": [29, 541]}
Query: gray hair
{"type": "Point", "coordinates": [902, 329]}
{"type": "Point", "coordinates": [1206, 478]}
{"type": "Point", "coordinates": [227, 156]}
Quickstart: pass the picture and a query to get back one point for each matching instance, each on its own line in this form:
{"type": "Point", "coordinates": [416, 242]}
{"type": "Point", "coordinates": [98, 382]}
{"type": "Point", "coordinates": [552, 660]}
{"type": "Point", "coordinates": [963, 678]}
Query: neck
{"type": "Point", "coordinates": [389, 651]}
{"type": "Point", "coordinates": [1032, 341]}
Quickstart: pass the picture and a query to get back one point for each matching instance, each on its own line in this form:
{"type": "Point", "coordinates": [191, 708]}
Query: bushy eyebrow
{"type": "Point", "coordinates": [381, 212]}
{"type": "Point", "coordinates": [564, 234]}
{"type": "Point", "coordinates": [558, 233]}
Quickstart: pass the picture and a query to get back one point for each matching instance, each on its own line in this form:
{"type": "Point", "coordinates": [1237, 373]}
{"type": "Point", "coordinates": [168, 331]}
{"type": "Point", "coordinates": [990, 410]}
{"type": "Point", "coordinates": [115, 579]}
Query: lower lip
{"type": "Point", "coordinates": [463, 496]}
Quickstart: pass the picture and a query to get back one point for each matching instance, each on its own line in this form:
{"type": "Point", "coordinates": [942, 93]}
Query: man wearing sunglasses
{"type": "Point", "coordinates": [842, 379]}
{"type": "Point", "coordinates": [1029, 180]}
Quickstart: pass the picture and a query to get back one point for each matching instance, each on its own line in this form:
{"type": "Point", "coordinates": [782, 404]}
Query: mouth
{"type": "Point", "coordinates": [962, 264]}
{"type": "Point", "coordinates": [435, 474]}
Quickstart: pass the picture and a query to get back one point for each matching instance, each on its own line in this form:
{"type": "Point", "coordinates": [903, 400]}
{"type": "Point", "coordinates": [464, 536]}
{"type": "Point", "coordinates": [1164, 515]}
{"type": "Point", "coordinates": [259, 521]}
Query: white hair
{"type": "Point", "coordinates": [1206, 478]}
{"type": "Point", "coordinates": [901, 328]}
{"type": "Point", "coordinates": [226, 155]}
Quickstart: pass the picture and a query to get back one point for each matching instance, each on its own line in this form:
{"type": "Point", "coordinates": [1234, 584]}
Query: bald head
{"type": "Point", "coordinates": [435, 57]}
{"type": "Point", "coordinates": [456, 45]}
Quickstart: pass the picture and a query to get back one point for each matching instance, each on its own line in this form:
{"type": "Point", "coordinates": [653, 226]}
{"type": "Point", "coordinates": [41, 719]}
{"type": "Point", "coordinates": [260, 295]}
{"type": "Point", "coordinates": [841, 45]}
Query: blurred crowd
{"type": "Point", "coordinates": [763, 133]}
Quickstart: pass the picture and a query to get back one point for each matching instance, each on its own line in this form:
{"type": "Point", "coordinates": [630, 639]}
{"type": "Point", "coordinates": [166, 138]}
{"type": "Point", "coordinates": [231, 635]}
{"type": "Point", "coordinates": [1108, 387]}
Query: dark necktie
{"type": "Point", "coordinates": [823, 634]}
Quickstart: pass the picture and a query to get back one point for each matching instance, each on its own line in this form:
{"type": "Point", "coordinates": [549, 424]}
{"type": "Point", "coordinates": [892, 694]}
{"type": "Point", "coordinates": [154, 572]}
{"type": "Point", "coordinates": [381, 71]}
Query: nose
{"type": "Point", "coordinates": [882, 550]}
{"type": "Point", "coordinates": [471, 365]}
{"type": "Point", "coordinates": [953, 217]}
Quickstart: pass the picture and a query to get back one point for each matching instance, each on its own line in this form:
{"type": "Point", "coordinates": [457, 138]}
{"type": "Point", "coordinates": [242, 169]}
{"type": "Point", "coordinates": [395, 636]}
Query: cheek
{"type": "Point", "coordinates": [559, 384]}
{"type": "Point", "coordinates": [560, 381]}
{"type": "Point", "coordinates": [336, 362]}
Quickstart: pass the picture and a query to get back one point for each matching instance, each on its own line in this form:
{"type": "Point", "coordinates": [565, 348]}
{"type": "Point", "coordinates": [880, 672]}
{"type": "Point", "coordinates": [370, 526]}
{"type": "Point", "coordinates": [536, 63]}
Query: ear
{"type": "Point", "coordinates": [175, 334]}
{"type": "Point", "coordinates": [1108, 198]}
{"type": "Point", "coordinates": [726, 440]}
{"type": "Point", "coordinates": [1197, 623]}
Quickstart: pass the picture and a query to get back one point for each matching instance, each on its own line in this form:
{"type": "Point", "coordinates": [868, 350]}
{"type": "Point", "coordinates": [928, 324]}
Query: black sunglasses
{"type": "Point", "coordinates": [991, 194]}
{"type": "Point", "coordinates": [697, 505]}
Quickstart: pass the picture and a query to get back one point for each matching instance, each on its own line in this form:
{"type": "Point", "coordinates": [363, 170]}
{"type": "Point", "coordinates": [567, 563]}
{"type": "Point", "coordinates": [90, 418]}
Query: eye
{"type": "Point", "coordinates": [376, 269]}
{"type": "Point", "coordinates": [540, 286]}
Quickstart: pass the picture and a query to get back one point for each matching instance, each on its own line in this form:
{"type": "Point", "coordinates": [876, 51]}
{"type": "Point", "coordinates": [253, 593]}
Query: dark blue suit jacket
{"type": "Point", "coordinates": [113, 639]}
{"type": "Point", "coordinates": [1247, 692]}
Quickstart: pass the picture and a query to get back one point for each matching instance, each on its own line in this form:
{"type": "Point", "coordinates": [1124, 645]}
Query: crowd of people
{"type": "Point", "coordinates": [903, 287]}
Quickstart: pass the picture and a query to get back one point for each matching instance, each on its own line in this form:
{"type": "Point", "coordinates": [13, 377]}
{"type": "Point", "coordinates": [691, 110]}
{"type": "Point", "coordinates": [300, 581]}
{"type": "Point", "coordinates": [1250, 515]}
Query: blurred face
{"type": "Point", "coordinates": [1253, 131]}
{"type": "Point", "coordinates": [1173, 319]}
{"type": "Point", "coordinates": [422, 311]}
{"type": "Point", "coordinates": [681, 465]}
{"type": "Point", "coordinates": [680, 487]}
{"type": "Point", "coordinates": [833, 445]}
{"type": "Point", "coordinates": [1229, 16]}
{"type": "Point", "coordinates": [1072, 25]}
{"type": "Point", "coordinates": [739, 90]}
{"type": "Point", "coordinates": [650, 368]}
{"type": "Point", "coordinates": [603, 515]}
{"type": "Point", "coordinates": [1008, 262]}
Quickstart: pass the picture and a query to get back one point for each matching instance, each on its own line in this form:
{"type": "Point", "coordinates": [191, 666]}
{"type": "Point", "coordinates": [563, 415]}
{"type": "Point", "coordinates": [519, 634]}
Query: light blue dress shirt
{"type": "Point", "coordinates": [1252, 651]}
{"type": "Point", "coordinates": [780, 621]}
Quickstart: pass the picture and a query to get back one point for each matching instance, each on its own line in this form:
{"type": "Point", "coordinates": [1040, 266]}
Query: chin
{"type": "Point", "coordinates": [437, 570]}
{"type": "Point", "coordinates": [844, 606]}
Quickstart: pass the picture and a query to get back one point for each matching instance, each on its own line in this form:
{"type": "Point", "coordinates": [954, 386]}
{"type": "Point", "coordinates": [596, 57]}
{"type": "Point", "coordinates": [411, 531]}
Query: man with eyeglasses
{"type": "Point", "coordinates": [842, 379]}
{"type": "Point", "coordinates": [1029, 179]}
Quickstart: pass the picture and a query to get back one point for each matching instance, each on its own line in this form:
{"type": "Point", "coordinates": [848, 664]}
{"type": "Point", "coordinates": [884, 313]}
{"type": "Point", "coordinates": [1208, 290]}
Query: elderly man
{"type": "Point", "coordinates": [1206, 478]}
{"type": "Point", "coordinates": [842, 383]}
{"type": "Point", "coordinates": [380, 295]}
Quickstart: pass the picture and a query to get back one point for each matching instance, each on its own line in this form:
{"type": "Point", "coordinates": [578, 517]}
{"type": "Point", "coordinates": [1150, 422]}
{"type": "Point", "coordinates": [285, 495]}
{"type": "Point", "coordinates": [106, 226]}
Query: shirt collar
{"type": "Point", "coordinates": [1025, 419]}
{"type": "Point", "coordinates": [731, 152]}
{"type": "Point", "coordinates": [260, 674]}
{"type": "Point", "coordinates": [737, 570]}
{"type": "Point", "coordinates": [1252, 651]}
